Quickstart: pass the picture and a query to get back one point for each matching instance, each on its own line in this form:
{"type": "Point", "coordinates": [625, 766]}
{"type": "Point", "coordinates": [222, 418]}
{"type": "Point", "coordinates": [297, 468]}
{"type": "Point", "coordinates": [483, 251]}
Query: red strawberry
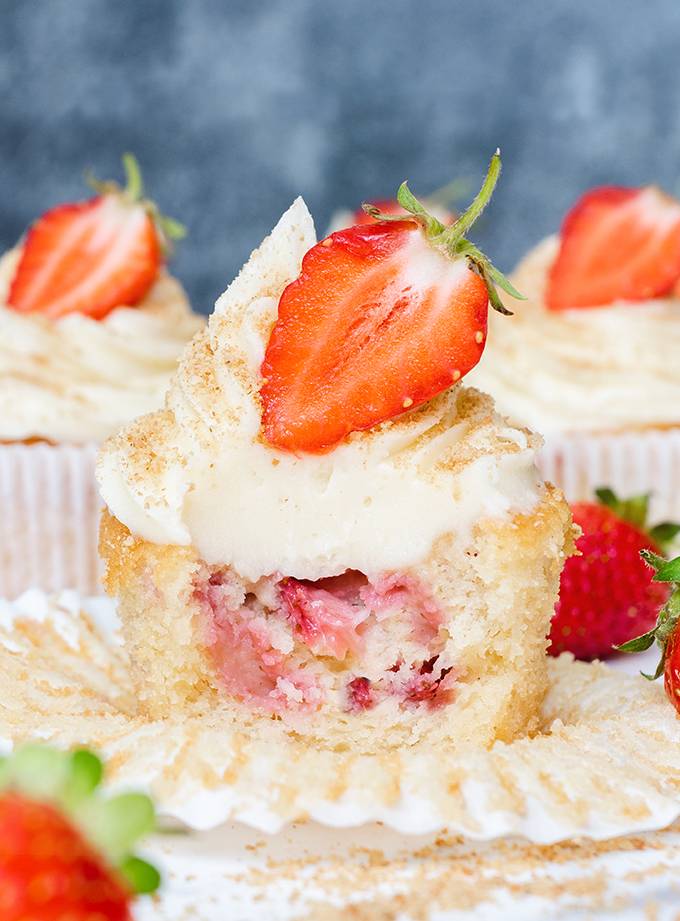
{"type": "Point", "coordinates": [381, 319]}
{"type": "Point", "coordinates": [607, 594]}
{"type": "Point", "coordinates": [92, 256]}
{"type": "Point", "coordinates": [617, 244]}
{"type": "Point", "coordinates": [64, 852]}
{"type": "Point", "coordinates": [666, 632]}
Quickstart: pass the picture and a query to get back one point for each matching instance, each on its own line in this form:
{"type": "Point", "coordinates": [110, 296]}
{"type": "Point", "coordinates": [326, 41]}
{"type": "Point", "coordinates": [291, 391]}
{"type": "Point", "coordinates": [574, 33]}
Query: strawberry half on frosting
{"type": "Point", "coordinates": [616, 244]}
{"type": "Point", "coordinates": [382, 318]}
{"type": "Point", "coordinates": [92, 256]}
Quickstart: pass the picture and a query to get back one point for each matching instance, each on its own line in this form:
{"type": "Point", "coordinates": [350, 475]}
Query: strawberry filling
{"type": "Point", "coordinates": [274, 646]}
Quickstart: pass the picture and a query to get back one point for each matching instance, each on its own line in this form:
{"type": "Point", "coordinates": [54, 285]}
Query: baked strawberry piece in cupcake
{"type": "Point", "coordinates": [323, 526]}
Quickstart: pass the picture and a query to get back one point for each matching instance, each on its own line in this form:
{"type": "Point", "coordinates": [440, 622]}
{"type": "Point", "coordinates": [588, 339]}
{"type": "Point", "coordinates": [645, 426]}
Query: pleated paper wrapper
{"type": "Point", "coordinates": [49, 518]}
{"type": "Point", "coordinates": [606, 761]}
{"type": "Point", "coordinates": [630, 463]}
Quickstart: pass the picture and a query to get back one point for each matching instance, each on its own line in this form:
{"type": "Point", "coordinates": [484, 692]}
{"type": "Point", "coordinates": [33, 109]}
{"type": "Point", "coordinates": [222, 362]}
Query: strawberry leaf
{"type": "Point", "coordinates": [633, 510]}
{"type": "Point", "coordinates": [410, 203]}
{"type": "Point", "coordinates": [142, 877]}
{"type": "Point", "coordinates": [639, 644]}
{"type": "Point", "coordinates": [653, 559]}
{"type": "Point", "coordinates": [664, 533]}
{"type": "Point", "coordinates": [669, 571]}
{"type": "Point", "coordinates": [117, 823]}
{"type": "Point", "coordinates": [86, 772]}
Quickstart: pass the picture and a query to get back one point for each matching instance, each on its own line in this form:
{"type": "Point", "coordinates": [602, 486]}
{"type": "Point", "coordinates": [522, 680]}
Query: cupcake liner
{"type": "Point", "coordinates": [630, 463]}
{"type": "Point", "coordinates": [49, 518]}
{"type": "Point", "coordinates": [604, 763]}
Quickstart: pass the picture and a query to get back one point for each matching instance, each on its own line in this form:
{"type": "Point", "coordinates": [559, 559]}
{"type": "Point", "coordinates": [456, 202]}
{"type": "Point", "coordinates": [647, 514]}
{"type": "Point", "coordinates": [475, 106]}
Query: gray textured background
{"type": "Point", "coordinates": [233, 108]}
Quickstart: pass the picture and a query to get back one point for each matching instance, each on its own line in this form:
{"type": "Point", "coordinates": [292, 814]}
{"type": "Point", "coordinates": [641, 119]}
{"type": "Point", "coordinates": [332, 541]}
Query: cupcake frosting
{"type": "Point", "coordinates": [199, 472]}
{"type": "Point", "coordinates": [598, 369]}
{"type": "Point", "coordinates": [77, 379]}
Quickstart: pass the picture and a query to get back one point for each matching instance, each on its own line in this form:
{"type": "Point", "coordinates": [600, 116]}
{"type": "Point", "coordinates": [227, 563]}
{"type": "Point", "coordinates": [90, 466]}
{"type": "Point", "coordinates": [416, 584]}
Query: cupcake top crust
{"type": "Point", "coordinates": [201, 473]}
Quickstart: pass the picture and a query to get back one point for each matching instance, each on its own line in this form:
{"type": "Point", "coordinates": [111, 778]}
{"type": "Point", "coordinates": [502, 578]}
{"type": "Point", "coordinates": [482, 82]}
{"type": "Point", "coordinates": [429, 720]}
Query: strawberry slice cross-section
{"type": "Point", "coordinates": [616, 244]}
{"type": "Point", "coordinates": [90, 257]}
{"type": "Point", "coordinates": [381, 319]}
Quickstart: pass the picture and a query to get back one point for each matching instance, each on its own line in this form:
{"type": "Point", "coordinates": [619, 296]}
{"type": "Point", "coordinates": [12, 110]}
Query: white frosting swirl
{"type": "Point", "coordinates": [77, 379]}
{"type": "Point", "coordinates": [200, 473]}
{"type": "Point", "coordinates": [599, 369]}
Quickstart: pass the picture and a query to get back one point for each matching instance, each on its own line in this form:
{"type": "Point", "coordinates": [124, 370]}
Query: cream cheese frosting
{"type": "Point", "coordinates": [199, 473]}
{"type": "Point", "coordinates": [599, 369]}
{"type": "Point", "coordinates": [77, 379]}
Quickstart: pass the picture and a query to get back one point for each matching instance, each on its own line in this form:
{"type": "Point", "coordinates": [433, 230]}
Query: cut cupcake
{"type": "Point", "coordinates": [323, 527]}
{"type": "Point", "coordinates": [91, 327]}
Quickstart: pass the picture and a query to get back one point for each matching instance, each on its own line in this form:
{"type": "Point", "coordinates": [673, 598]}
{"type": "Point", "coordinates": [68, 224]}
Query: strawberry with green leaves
{"type": "Point", "coordinates": [607, 594]}
{"type": "Point", "coordinates": [92, 256]}
{"type": "Point", "coordinates": [616, 244]}
{"type": "Point", "coordinates": [438, 204]}
{"type": "Point", "coordinates": [665, 632]}
{"type": "Point", "coordinates": [382, 318]}
{"type": "Point", "coordinates": [65, 850]}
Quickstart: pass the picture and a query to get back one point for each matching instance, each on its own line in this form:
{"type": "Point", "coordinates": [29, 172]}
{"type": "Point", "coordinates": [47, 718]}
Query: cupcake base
{"type": "Point", "coordinates": [603, 763]}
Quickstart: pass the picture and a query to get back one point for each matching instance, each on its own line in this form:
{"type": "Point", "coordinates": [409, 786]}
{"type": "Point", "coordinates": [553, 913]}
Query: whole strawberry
{"type": "Point", "coordinates": [665, 633]}
{"type": "Point", "coordinates": [65, 852]}
{"type": "Point", "coordinates": [607, 593]}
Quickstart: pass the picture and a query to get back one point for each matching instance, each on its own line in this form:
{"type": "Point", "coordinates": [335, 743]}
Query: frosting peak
{"type": "Point", "coordinates": [200, 473]}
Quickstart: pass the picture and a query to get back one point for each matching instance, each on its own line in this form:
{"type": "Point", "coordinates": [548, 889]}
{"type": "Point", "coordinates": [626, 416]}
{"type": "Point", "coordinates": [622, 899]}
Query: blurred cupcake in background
{"type": "Point", "coordinates": [91, 326]}
{"type": "Point", "coordinates": [590, 359]}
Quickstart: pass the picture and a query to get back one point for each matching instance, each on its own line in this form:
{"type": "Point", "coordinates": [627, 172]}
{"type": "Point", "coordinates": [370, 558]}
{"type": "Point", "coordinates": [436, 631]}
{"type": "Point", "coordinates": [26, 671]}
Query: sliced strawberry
{"type": "Point", "coordinates": [617, 244]}
{"type": "Point", "coordinates": [92, 256]}
{"type": "Point", "coordinates": [381, 319]}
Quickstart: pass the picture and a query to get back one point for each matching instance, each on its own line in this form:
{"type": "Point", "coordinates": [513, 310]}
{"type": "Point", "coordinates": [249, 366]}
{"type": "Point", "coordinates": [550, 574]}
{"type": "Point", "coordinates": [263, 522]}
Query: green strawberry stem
{"type": "Point", "coordinates": [635, 511]}
{"type": "Point", "coordinates": [451, 240]}
{"type": "Point", "coordinates": [134, 186]}
{"type": "Point", "coordinates": [669, 615]}
{"type": "Point", "coordinates": [169, 229]}
{"type": "Point", "coordinates": [71, 781]}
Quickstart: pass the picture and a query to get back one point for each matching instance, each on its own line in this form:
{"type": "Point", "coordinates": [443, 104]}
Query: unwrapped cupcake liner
{"type": "Point", "coordinates": [604, 763]}
{"type": "Point", "coordinates": [49, 518]}
{"type": "Point", "coordinates": [630, 463]}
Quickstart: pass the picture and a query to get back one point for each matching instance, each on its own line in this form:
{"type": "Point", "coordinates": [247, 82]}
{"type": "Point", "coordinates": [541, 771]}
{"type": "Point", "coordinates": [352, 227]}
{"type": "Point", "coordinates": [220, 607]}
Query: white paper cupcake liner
{"type": "Point", "coordinates": [630, 463]}
{"type": "Point", "coordinates": [604, 764]}
{"type": "Point", "coordinates": [49, 518]}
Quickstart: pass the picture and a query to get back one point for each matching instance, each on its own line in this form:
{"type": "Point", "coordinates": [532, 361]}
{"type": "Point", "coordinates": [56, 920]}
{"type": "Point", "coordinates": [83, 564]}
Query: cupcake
{"type": "Point", "coordinates": [91, 326]}
{"type": "Point", "coordinates": [322, 526]}
{"type": "Point", "coordinates": [590, 358]}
